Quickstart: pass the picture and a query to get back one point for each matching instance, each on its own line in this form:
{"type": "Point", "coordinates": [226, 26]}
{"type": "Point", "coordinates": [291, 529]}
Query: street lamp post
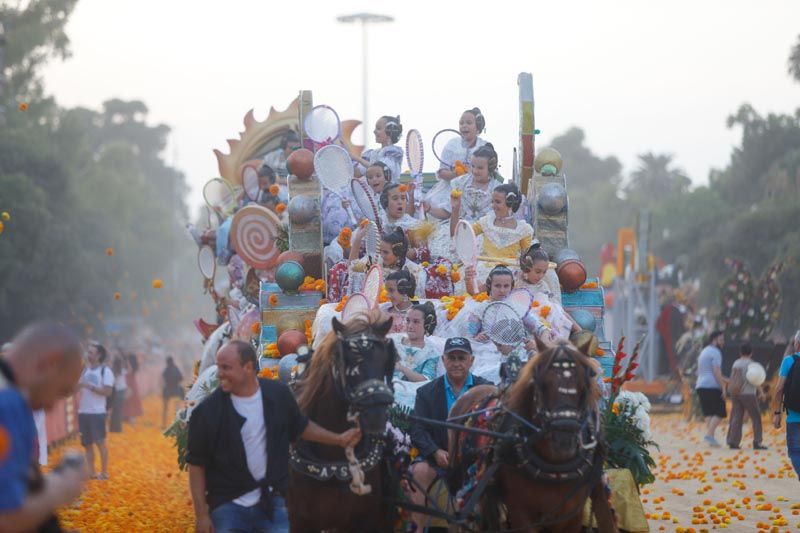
{"type": "Point", "coordinates": [2, 74]}
{"type": "Point", "coordinates": [364, 19]}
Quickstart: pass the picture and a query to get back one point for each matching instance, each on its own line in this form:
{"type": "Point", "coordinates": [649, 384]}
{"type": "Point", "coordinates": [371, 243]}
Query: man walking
{"type": "Point", "coordinates": [239, 447]}
{"type": "Point", "coordinates": [744, 398]}
{"type": "Point", "coordinates": [787, 396]}
{"type": "Point", "coordinates": [97, 384]}
{"type": "Point", "coordinates": [711, 385]}
{"type": "Point", "coordinates": [41, 366]}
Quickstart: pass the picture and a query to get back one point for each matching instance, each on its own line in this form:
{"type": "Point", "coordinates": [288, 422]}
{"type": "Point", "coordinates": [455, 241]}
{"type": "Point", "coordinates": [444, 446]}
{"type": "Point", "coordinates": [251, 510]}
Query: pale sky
{"type": "Point", "coordinates": [636, 76]}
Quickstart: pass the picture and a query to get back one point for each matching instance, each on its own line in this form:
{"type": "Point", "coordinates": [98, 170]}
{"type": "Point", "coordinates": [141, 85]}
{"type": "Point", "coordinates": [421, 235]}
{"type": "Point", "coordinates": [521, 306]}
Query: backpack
{"type": "Point", "coordinates": [791, 390]}
{"type": "Point", "coordinates": [737, 382]}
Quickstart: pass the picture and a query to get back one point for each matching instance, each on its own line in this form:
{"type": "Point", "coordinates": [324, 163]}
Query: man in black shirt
{"type": "Point", "coordinates": [239, 447]}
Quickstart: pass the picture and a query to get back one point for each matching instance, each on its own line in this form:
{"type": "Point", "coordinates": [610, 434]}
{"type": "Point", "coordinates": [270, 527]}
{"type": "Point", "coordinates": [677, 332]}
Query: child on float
{"type": "Point", "coordinates": [396, 203]}
{"type": "Point", "coordinates": [393, 257]}
{"type": "Point", "coordinates": [419, 353]}
{"type": "Point", "coordinates": [501, 235]}
{"type": "Point", "coordinates": [377, 177]}
{"type": "Point", "coordinates": [400, 288]}
{"type": "Point", "coordinates": [387, 134]}
{"type": "Point", "coordinates": [537, 277]}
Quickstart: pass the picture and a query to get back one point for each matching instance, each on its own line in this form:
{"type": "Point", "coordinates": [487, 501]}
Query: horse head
{"type": "Point", "coordinates": [557, 392]}
{"type": "Point", "coordinates": [357, 361]}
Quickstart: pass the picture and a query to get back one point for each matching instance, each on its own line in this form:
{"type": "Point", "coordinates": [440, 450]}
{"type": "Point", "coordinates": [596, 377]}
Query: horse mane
{"type": "Point", "coordinates": [318, 381]}
{"type": "Point", "coordinates": [519, 398]}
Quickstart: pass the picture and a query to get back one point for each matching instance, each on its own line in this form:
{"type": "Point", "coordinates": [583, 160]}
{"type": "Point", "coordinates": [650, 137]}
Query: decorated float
{"type": "Point", "coordinates": [263, 259]}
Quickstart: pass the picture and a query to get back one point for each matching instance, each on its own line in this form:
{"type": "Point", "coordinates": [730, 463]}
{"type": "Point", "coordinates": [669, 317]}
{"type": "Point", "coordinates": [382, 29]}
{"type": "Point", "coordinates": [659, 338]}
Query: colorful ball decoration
{"type": "Point", "coordinates": [291, 255]}
{"type": "Point", "coordinates": [254, 234]}
{"type": "Point", "coordinates": [290, 341]}
{"type": "Point", "coordinates": [584, 319]}
{"type": "Point", "coordinates": [285, 367]}
{"type": "Point", "coordinates": [289, 276]}
{"type": "Point", "coordinates": [547, 156]}
{"type": "Point", "coordinates": [301, 163]}
{"type": "Point", "coordinates": [571, 274]}
{"type": "Point", "coordinates": [303, 209]}
{"type": "Point", "coordinates": [552, 198]}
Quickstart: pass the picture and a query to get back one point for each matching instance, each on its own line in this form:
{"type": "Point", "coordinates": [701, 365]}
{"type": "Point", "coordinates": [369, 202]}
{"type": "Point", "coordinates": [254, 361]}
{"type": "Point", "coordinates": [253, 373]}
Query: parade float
{"type": "Point", "coordinates": [262, 261]}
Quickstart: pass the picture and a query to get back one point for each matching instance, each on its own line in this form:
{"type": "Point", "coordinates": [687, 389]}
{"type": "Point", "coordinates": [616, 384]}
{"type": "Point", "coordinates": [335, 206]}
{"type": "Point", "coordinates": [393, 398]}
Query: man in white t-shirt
{"type": "Point", "coordinates": [238, 447]}
{"type": "Point", "coordinates": [711, 385]}
{"type": "Point", "coordinates": [96, 384]}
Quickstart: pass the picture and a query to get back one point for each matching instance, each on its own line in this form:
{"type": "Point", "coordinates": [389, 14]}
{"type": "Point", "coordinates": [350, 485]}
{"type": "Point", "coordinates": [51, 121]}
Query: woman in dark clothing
{"type": "Point", "coordinates": [172, 387]}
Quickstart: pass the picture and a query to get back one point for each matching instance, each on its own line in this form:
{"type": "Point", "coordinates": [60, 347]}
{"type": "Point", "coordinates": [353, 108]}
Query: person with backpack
{"type": "Point", "coordinates": [744, 398]}
{"type": "Point", "coordinates": [172, 387]}
{"type": "Point", "coordinates": [96, 384]}
{"type": "Point", "coordinates": [787, 397]}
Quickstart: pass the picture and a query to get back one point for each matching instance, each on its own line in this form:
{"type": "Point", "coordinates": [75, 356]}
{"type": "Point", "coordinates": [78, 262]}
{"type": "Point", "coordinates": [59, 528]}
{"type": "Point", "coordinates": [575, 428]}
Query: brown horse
{"type": "Point", "coordinates": [542, 479]}
{"type": "Point", "coordinates": [349, 378]}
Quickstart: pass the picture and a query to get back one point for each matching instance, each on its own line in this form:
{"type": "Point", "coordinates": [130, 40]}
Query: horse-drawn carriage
{"type": "Point", "coordinates": [527, 454]}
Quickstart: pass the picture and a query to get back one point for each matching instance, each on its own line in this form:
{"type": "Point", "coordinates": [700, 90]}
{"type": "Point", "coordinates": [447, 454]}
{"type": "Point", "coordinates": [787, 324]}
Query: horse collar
{"type": "Point", "coordinates": [302, 460]}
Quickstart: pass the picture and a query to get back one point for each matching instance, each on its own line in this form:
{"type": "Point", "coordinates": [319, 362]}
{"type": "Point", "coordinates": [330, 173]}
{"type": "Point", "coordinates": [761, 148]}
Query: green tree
{"type": "Point", "coordinates": [794, 61]}
{"type": "Point", "coordinates": [655, 179]}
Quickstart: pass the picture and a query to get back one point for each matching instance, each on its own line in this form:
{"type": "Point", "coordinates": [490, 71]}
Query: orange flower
{"type": "Point", "coordinates": [280, 208]}
{"type": "Point", "coordinates": [403, 188]}
{"type": "Point", "coordinates": [323, 301]}
{"type": "Point", "coordinates": [455, 193]}
{"type": "Point", "coordinates": [455, 276]}
{"type": "Point", "coordinates": [615, 408]}
{"type": "Point", "coordinates": [23, 106]}
{"type": "Point", "coordinates": [109, 251]}
{"type": "Point", "coordinates": [545, 311]}
{"type": "Point", "coordinates": [274, 189]}
{"type": "Point", "coordinates": [481, 297]}
{"type": "Point", "coordinates": [589, 285]}
{"type": "Point", "coordinates": [460, 168]}
{"type": "Point", "coordinates": [273, 300]}
{"type": "Point", "coordinates": [2, 227]}
{"type": "Point", "coordinates": [157, 283]}
{"type": "Point", "coordinates": [341, 304]}
{"type": "Point", "coordinates": [117, 296]}
{"type": "Point", "coordinates": [5, 216]}
{"type": "Point", "coordinates": [344, 237]}
{"type": "Point", "coordinates": [255, 328]}
{"type": "Point", "coordinates": [383, 298]}
{"type": "Point", "coordinates": [441, 270]}
{"type": "Point", "coordinates": [599, 352]}
{"type": "Point", "coordinates": [535, 303]}
{"type": "Point", "coordinates": [268, 373]}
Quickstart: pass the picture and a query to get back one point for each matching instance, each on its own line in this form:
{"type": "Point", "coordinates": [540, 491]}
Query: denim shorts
{"type": "Point", "coordinates": [234, 517]}
{"type": "Point", "coordinates": [92, 428]}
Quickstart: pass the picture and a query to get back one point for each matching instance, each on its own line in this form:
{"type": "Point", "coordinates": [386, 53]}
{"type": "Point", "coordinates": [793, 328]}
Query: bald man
{"type": "Point", "coordinates": [42, 365]}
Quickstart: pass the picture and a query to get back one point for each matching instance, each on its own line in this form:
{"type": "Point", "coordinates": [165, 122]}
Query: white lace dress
{"type": "Point", "coordinates": [391, 156]}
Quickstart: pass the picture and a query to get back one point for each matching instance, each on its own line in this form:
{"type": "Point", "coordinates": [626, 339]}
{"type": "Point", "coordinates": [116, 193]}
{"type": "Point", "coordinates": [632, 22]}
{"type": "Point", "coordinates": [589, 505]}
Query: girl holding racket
{"type": "Point", "coordinates": [387, 134]}
{"type": "Point", "coordinates": [393, 252]}
{"type": "Point", "coordinates": [395, 205]}
{"type": "Point", "coordinates": [400, 288]}
{"type": "Point", "coordinates": [470, 126]}
{"type": "Point", "coordinates": [503, 236]}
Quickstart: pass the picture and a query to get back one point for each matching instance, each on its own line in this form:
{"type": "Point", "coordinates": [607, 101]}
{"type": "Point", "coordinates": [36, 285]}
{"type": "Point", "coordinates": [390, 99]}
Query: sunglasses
{"type": "Point", "coordinates": [460, 357]}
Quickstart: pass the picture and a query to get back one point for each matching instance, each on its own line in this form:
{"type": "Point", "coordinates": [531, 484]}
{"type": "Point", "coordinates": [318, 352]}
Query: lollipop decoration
{"type": "Point", "coordinates": [254, 233]}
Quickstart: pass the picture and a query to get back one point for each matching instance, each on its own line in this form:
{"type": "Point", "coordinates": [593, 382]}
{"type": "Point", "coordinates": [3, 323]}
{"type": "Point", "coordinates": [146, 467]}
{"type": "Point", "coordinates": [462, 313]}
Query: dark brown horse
{"type": "Point", "coordinates": [349, 379]}
{"type": "Point", "coordinates": [541, 480]}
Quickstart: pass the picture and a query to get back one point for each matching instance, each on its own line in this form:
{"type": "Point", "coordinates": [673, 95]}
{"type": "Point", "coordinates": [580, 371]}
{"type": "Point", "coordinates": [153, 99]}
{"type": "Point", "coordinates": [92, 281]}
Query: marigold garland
{"type": "Point", "coordinates": [311, 284]}
{"type": "Point", "coordinates": [589, 285]}
{"type": "Point", "coordinates": [269, 372]}
{"type": "Point", "coordinates": [345, 236]}
{"type": "Point", "coordinates": [309, 334]}
{"type": "Point", "coordinates": [271, 351]}
{"type": "Point", "coordinates": [341, 304]}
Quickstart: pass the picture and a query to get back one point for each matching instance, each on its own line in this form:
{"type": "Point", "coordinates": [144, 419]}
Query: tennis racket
{"type": "Point", "coordinates": [206, 262]}
{"type": "Point", "coordinates": [335, 170]}
{"type": "Point", "coordinates": [219, 196]}
{"type": "Point", "coordinates": [515, 171]}
{"type": "Point", "coordinates": [366, 201]}
{"type": "Point", "coordinates": [502, 324]}
{"type": "Point", "coordinates": [322, 125]}
{"type": "Point", "coordinates": [466, 247]}
{"type": "Point", "coordinates": [521, 300]}
{"type": "Point", "coordinates": [373, 285]}
{"type": "Point", "coordinates": [250, 182]}
{"type": "Point", "coordinates": [371, 241]}
{"type": "Point", "coordinates": [415, 154]}
{"type": "Point", "coordinates": [356, 304]}
{"type": "Point", "coordinates": [440, 140]}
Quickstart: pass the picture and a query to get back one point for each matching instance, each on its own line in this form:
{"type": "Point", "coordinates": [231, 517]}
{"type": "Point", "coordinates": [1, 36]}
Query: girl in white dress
{"type": "Point", "coordinates": [419, 354]}
{"type": "Point", "coordinates": [387, 134]}
{"type": "Point", "coordinates": [393, 257]}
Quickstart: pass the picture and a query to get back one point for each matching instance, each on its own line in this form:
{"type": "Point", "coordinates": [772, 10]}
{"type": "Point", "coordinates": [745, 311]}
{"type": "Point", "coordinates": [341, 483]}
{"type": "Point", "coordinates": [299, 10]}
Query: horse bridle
{"type": "Point", "coordinates": [369, 392]}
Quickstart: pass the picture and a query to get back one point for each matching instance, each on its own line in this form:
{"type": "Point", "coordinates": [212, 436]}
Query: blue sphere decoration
{"type": "Point", "coordinates": [289, 276]}
{"type": "Point", "coordinates": [585, 319]}
{"type": "Point", "coordinates": [285, 366]}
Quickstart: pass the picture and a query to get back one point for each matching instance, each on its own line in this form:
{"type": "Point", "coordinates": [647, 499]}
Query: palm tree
{"type": "Point", "coordinates": [794, 61]}
{"type": "Point", "coordinates": [654, 180]}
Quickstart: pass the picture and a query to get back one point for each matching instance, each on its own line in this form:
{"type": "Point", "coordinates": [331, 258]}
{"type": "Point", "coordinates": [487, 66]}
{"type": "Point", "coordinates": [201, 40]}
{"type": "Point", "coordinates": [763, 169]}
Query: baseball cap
{"type": "Point", "coordinates": [457, 344]}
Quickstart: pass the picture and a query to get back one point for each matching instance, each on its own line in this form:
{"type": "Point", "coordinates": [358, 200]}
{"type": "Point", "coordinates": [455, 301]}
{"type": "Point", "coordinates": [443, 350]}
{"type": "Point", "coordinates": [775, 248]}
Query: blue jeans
{"type": "Point", "coordinates": [233, 518]}
{"type": "Point", "coordinates": [793, 445]}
